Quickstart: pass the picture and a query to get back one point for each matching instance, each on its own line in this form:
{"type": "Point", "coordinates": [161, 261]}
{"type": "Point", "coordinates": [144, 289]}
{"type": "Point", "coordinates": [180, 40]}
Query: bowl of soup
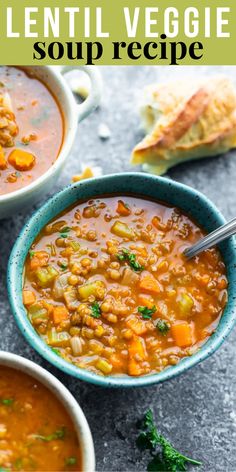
{"type": "Point", "coordinates": [42, 427]}
{"type": "Point", "coordinates": [99, 285]}
{"type": "Point", "coordinates": [38, 123]}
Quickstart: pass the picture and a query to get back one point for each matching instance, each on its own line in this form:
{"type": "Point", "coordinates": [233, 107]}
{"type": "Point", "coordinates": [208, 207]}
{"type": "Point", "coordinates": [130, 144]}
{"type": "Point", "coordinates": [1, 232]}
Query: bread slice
{"type": "Point", "coordinates": [185, 120]}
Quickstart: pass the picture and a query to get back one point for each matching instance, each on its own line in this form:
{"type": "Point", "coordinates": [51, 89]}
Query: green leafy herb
{"type": "Point", "coordinates": [59, 434]}
{"type": "Point", "coordinates": [147, 312]}
{"type": "Point", "coordinates": [7, 401]}
{"type": "Point", "coordinates": [167, 458]}
{"type": "Point", "coordinates": [96, 310]}
{"type": "Point", "coordinates": [162, 326]}
{"type": "Point", "coordinates": [64, 232]}
{"type": "Point", "coordinates": [56, 351]}
{"type": "Point", "coordinates": [71, 461]}
{"type": "Point", "coordinates": [31, 254]}
{"type": "Point", "coordinates": [63, 266]}
{"type": "Point", "coordinates": [129, 257]}
{"type": "Point", "coordinates": [18, 464]}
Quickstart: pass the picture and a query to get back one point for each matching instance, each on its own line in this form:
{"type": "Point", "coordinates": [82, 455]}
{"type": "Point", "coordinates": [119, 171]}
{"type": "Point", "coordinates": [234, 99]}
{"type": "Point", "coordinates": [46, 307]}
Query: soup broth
{"type": "Point", "coordinates": [36, 433]}
{"type": "Point", "coordinates": [38, 138]}
{"type": "Point", "coordinates": [108, 288]}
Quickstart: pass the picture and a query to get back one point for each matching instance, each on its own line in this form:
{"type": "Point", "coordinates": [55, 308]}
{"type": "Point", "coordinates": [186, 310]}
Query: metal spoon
{"type": "Point", "coordinates": [221, 233]}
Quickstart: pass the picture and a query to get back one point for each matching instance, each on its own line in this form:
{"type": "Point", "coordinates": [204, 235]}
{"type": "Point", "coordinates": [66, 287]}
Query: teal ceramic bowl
{"type": "Point", "coordinates": [189, 200]}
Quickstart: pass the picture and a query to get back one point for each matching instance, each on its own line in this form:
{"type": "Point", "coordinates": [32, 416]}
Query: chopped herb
{"type": "Point", "coordinates": [96, 310]}
{"type": "Point", "coordinates": [147, 312]}
{"type": "Point", "coordinates": [59, 434]}
{"type": "Point", "coordinates": [7, 401]}
{"type": "Point", "coordinates": [162, 326]}
{"type": "Point", "coordinates": [56, 351]}
{"type": "Point", "coordinates": [64, 232]}
{"type": "Point", "coordinates": [167, 458]}
{"type": "Point", "coordinates": [18, 463]}
{"type": "Point", "coordinates": [129, 257]}
{"type": "Point", "coordinates": [63, 266]}
{"type": "Point", "coordinates": [31, 254]}
{"type": "Point", "coordinates": [71, 461]}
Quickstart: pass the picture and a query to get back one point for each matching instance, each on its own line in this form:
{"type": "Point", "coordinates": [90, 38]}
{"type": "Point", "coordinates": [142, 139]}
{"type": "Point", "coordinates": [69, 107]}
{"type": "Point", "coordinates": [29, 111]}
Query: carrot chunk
{"type": "Point", "coordinates": [21, 160]}
{"type": "Point", "coordinates": [138, 326]}
{"type": "Point", "coordinates": [149, 284]}
{"type": "Point", "coordinates": [39, 259]}
{"type": "Point", "coordinates": [3, 162]}
{"type": "Point", "coordinates": [123, 209]}
{"type": "Point", "coordinates": [134, 368]}
{"type": "Point", "coordinates": [60, 313]}
{"type": "Point", "coordinates": [137, 348]}
{"type": "Point", "coordinates": [146, 300]}
{"type": "Point", "coordinates": [137, 354]}
{"type": "Point", "coordinates": [28, 297]}
{"type": "Point", "coordinates": [182, 334]}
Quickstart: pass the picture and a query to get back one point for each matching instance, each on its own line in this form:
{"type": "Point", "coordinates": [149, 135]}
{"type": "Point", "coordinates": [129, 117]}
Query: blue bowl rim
{"type": "Point", "coordinates": [46, 352]}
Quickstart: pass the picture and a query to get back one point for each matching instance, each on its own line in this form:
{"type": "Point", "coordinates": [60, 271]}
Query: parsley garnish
{"type": "Point", "coordinates": [7, 401]}
{"type": "Point", "coordinates": [167, 458]}
{"type": "Point", "coordinates": [96, 310]}
{"type": "Point", "coordinates": [162, 326]}
{"type": "Point", "coordinates": [70, 461]}
{"type": "Point", "coordinates": [129, 257]}
{"type": "Point", "coordinates": [147, 312]}
{"type": "Point", "coordinates": [59, 434]}
{"type": "Point", "coordinates": [63, 266]}
{"type": "Point", "coordinates": [31, 254]}
{"type": "Point", "coordinates": [17, 464]}
{"type": "Point", "coordinates": [64, 232]}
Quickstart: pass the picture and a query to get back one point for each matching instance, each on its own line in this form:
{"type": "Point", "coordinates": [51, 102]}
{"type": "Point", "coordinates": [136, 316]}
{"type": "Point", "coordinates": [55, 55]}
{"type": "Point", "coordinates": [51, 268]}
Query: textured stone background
{"type": "Point", "coordinates": [197, 410]}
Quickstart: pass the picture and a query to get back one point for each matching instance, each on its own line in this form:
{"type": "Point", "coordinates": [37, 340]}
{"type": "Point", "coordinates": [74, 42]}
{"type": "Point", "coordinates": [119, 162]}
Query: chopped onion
{"type": "Point", "coordinates": [76, 345]}
{"type": "Point", "coordinates": [130, 277]}
{"type": "Point", "coordinates": [60, 285]}
{"type": "Point", "coordinates": [71, 298]}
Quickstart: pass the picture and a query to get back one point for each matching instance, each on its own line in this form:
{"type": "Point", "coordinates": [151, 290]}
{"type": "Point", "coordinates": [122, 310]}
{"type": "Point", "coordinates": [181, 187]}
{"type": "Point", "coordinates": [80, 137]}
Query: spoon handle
{"type": "Point", "coordinates": [221, 233]}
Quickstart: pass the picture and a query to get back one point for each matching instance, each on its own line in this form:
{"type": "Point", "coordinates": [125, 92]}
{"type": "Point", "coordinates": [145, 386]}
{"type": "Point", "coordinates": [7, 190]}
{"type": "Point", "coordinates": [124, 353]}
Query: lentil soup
{"type": "Point", "coordinates": [107, 286]}
{"type": "Point", "coordinates": [36, 433]}
{"type": "Point", "coordinates": [31, 129]}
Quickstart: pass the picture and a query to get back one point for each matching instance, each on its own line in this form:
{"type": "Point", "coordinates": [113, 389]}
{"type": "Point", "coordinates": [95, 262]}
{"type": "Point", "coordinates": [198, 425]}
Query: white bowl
{"type": "Point", "coordinates": [73, 113]}
{"type": "Point", "coordinates": [66, 399]}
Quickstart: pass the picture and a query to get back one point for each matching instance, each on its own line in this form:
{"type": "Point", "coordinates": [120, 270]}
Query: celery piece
{"type": "Point", "coordinates": [37, 311]}
{"type": "Point", "coordinates": [46, 275]}
{"type": "Point", "coordinates": [104, 366]}
{"type": "Point", "coordinates": [75, 245]}
{"type": "Point", "coordinates": [122, 230]}
{"type": "Point", "coordinates": [186, 304]}
{"type": "Point", "coordinates": [94, 288]}
{"type": "Point", "coordinates": [58, 339]}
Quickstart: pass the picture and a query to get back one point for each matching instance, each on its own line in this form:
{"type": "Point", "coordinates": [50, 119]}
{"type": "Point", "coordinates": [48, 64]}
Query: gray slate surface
{"type": "Point", "coordinates": [197, 410]}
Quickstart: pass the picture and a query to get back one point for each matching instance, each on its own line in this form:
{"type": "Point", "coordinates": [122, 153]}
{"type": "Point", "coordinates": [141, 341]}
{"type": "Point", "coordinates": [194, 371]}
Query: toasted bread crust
{"type": "Point", "coordinates": [203, 123]}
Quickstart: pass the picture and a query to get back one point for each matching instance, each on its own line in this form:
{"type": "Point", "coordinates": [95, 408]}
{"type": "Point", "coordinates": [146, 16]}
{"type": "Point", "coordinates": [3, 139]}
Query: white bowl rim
{"type": "Point", "coordinates": [34, 370]}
